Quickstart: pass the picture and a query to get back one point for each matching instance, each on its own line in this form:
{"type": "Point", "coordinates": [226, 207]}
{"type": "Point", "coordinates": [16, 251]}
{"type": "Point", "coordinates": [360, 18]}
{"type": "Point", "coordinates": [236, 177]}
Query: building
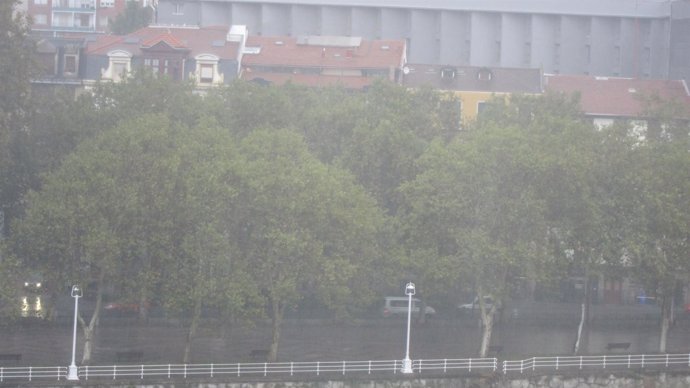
{"type": "Point", "coordinates": [322, 60]}
{"type": "Point", "coordinates": [209, 55]}
{"type": "Point", "coordinates": [474, 86]}
{"type": "Point", "coordinates": [606, 99]}
{"type": "Point", "coordinates": [53, 17]}
{"type": "Point", "coordinates": [641, 38]}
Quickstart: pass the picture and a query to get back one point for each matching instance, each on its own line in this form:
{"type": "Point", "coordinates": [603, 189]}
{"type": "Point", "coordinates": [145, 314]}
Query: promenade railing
{"type": "Point", "coordinates": [630, 361]}
{"type": "Point", "coordinates": [542, 365]}
{"type": "Point", "coordinates": [30, 373]}
{"type": "Point", "coordinates": [283, 368]}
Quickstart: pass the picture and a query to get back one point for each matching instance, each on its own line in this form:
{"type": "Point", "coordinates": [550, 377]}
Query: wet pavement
{"type": "Point", "coordinates": [525, 331]}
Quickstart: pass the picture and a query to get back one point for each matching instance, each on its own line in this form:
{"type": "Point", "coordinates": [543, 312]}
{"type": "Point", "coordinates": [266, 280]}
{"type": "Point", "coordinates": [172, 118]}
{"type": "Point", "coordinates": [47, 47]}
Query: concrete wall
{"type": "Point", "coordinates": [610, 39]}
{"type": "Point", "coordinates": [604, 381]}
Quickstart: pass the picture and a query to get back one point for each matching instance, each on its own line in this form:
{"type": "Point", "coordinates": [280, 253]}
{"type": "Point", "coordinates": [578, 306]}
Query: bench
{"type": "Point", "coordinates": [617, 345]}
{"type": "Point", "coordinates": [259, 355]}
{"type": "Point", "coordinates": [129, 356]}
{"type": "Point", "coordinates": [10, 358]}
{"type": "Point", "coordinates": [495, 350]}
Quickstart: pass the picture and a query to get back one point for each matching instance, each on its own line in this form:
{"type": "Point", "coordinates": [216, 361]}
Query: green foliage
{"type": "Point", "coordinates": [131, 19]}
{"type": "Point", "coordinates": [17, 68]}
{"type": "Point", "coordinates": [308, 227]}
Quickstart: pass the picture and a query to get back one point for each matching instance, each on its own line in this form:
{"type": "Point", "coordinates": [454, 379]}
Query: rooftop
{"type": "Point", "coordinates": [618, 97]}
{"type": "Point", "coordinates": [203, 40]}
{"type": "Point", "coordinates": [466, 78]}
{"type": "Point", "coordinates": [324, 52]}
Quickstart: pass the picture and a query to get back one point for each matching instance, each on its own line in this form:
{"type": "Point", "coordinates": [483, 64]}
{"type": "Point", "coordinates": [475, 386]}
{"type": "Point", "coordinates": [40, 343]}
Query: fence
{"type": "Point", "coordinates": [282, 368]}
{"type": "Point", "coordinates": [598, 362]}
{"type": "Point", "coordinates": [278, 369]}
{"type": "Point", "coordinates": [33, 373]}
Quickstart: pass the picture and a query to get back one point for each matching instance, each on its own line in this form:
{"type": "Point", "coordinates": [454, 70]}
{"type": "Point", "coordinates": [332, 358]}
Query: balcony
{"type": "Point", "coordinates": [88, 6]}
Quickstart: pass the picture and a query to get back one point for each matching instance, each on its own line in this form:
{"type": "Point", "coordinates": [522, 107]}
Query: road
{"type": "Point", "coordinates": [527, 331]}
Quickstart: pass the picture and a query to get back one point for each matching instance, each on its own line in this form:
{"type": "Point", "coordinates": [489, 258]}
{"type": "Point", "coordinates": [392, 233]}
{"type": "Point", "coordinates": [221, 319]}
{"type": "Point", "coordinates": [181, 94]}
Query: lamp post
{"type": "Point", "coordinates": [73, 373]}
{"type": "Point", "coordinates": [407, 363]}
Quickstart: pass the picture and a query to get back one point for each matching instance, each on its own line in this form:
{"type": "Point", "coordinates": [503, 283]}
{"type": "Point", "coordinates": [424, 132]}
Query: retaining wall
{"type": "Point", "coordinates": [663, 380]}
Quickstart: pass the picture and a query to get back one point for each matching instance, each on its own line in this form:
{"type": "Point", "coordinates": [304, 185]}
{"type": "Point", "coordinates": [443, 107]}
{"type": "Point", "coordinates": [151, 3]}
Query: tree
{"type": "Point", "coordinates": [581, 178]}
{"type": "Point", "coordinates": [659, 200]}
{"type": "Point", "coordinates": [17, 68]}
{"type": "Point", "coordinates": [125, 210]}
{"type": "Point", "coordinates": [392, 131]}
{"type": "Point", "coordinates": [306, 228]}
{"type": "Point", "coordinates": [131, 19]}
{"type": "Point", "coordinates": [473, 215]}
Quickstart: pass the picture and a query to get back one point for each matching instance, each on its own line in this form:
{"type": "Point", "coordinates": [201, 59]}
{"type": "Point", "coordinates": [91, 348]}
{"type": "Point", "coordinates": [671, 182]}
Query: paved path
{"type": "Point", "coordinates": [318, 340]}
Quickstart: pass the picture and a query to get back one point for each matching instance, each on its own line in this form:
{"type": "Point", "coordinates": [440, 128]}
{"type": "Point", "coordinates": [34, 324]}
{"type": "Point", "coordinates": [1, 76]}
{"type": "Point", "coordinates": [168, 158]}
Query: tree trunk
{"type": "Point", "coordinates": [582, 341]}
{"type": "Point", "coordinates": [52, 313]}
{"type": "Point", "coordinates": [277, 317]}
{"type": "Point", "coordinates": [421, 315]}
{"type": "Point", "coordinates": [143, 307]}
{"type": "Point", "coordinates": [665, 321]}
{"type": "Point", "coordinates": [487, 327]}
{"type": "Point", "coordinates": [89, 330]}
{"type": "Point", "coordinates": [196, 317]}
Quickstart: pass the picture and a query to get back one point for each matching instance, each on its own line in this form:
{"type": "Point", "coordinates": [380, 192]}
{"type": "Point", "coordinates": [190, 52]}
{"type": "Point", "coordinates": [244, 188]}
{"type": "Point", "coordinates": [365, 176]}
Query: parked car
{"type": "Point", "coordinates": [466, 308]}
{"type": "Point", "coordinates": [397, 306]}
{"type": "Point", "coordinates": [123, 307]}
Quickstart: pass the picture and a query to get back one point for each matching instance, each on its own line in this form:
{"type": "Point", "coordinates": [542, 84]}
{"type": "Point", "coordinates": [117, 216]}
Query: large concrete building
{"type": "Point", "coordinates": [627, 38]}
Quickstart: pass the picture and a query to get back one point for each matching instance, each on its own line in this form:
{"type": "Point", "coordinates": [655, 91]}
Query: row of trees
{"type": "Point", "coordinates": [250, 199]}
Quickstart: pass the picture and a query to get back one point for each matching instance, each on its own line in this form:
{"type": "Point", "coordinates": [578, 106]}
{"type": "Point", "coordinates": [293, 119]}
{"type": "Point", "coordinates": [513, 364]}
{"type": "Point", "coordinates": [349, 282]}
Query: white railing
{"type": "Point", "coordinates": [597, 362]}
{"type": "Point", "coordinates": [32, 373]}
{"type": "Point", "coordinates": [468, 365]}
{"type": "Point", "coordinates": [444, 365]}
{"type": "Point", "coordinates": [280, 368]}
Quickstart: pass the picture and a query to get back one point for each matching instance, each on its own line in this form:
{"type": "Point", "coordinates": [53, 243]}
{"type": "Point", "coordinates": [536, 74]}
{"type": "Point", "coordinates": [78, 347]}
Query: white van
{"type": "Point", "coordinates": [396, 306]}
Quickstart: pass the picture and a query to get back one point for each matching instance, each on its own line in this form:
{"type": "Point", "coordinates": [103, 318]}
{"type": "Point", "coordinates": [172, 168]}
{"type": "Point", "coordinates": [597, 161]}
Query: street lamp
{"type": "Point", "coordinates": [407, 363]}
{"type": "Point", "coordinates": [73, 373]}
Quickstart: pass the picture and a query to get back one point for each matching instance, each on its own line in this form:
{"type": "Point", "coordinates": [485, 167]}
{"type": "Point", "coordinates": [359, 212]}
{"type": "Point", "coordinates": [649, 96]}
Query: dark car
{"type": "Point", "coordinates": [33, 284]}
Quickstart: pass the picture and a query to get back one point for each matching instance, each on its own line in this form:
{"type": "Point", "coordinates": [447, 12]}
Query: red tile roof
{"type": "Point", "coordinates": [606, 96]}
{"type": "Point", "coordinates": [313, 80]}
{"type": "Point", "coordinates": [204, 40]}
{"type": "Point", "coordinates": [168, 38]}
{"type": "Point", "coordinates": [294, 52]}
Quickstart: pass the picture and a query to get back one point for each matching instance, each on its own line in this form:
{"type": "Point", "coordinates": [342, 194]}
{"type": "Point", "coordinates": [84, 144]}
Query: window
{"type": "Point", "coordinates": [556, 54]}
{"type": "Point", "coordinates": [119, 70]}
{"type": "Point", "coordinates": [152, 64]}
{"type": "Point", "coordinates": [119, 65]}
{"type": "Point", "coordinates": [497, 54]}
{"type": "Point", "coordinates": [104, 21]}
{"type": "Point", "coordinates": [177, 9]}
{"type": "Point", "coordinates": [481, 107]}
{"type": "Point", "coordinates": [206, 73]}
{"type": "Point", "coordinates": [84, 20]}
{"type": "Point", "coordinates": [40, 18]}
{"type": "Point", "coordinates": [70, 65]}
{"type": "Point", "coordinates": [207, 69]}
{"type": "Point", "coordinates": [107, 3]}
{"type": "Point", "coordinates": [40, 2]}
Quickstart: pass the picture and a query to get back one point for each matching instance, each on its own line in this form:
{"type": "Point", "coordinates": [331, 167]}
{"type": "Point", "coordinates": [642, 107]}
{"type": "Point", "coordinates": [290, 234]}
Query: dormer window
{"type": "Point", "coordinates": [484, 74]}
{"type": "Point", "coordinates": [448, 73]}
{"type": "Point", "coordinates": [207, 69]}
{"type": "Point", "coordinates": [119, 65]}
